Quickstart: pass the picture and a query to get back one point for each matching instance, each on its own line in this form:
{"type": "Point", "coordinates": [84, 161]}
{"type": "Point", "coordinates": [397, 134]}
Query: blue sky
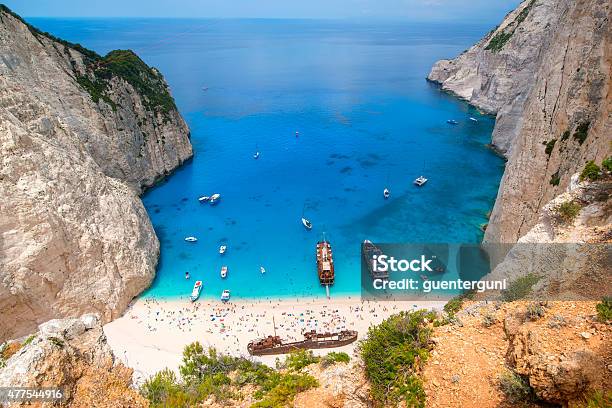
{"type": "Point", "coordinates": [486, 11]}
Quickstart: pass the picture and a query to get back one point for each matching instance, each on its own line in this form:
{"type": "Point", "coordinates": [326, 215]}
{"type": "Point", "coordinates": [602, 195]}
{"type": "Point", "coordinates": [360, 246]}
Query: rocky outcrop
{"type": "Point", "coordinates": [505, 355]}
{"type": "Point", "coordinates": [72, 355]}
{"type": "Point", "coordinates": [545, 73]}
{"type": "Point", "coordinates": [561, 372]}
{"type": "Point", "coordinates": [80, 136]}
{"type": "Point", "coordinates": [568, 252]}
{"type": "Point", "coordinates": [342, 385]}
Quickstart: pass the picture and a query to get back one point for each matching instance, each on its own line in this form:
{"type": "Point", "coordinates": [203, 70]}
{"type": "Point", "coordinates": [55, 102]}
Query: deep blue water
{"type": "Point", "coordinates": [366, 118]}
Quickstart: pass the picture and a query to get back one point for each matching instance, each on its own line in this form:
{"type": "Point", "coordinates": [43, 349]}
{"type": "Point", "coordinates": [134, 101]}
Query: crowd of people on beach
{"type": "Point", "coordinates": [235, 323]}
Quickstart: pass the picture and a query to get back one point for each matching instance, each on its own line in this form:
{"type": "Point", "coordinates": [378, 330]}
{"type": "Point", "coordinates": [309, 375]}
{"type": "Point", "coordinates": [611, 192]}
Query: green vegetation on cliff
{"type": "Point", "coordinates": [393, 354]}
{"type": "Point", "coordinates": [501, 38]}
{"type": "Point", "coordinates": [206, 374]}
{"type": "Point", "coordinates": [590, 172]}
{"type": "Point", "coordinates": [123, 64]}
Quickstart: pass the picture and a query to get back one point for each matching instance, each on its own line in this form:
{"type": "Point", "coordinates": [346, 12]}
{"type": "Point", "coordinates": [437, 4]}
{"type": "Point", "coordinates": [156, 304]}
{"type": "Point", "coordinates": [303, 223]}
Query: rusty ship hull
{"type": "Point", "coordinates": [274, 345]}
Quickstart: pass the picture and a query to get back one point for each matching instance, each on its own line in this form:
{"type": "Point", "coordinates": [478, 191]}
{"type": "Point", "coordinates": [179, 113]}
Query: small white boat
{"type": "Point", "coordinates": [256, 155]}
{"type": "Point", "coordinates": [225, 296]}
{"type": "Point", "coordinates": [420, 181]}
{"type": "Point", "coordinates": [262, 269]}
{"type": "Point", "coordinates": [386, 193]}
{"type": "Point", "coordinates": [452, 122]}
{"type": "Point", "coordinates": [195, 294]}
{"type": "Point", "coordinates": [203, 199]}
{"type": "Point", "coordinates": [224, 272]}
{"type": "Point", "coordinates": [222, 249]}
{"type": "Point", "coordinates": [191, 239]}
{"type": "Point", "coordinates": [307, 224]}
{"type": "Point", "coordinates": [215, 198]}
{"type": "Point", "coordinates": [473, 119]}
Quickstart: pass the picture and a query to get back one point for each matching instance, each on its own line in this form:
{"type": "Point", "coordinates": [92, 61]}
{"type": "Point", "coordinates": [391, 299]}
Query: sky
{"type": "Point", "coordinates": [486, 11]}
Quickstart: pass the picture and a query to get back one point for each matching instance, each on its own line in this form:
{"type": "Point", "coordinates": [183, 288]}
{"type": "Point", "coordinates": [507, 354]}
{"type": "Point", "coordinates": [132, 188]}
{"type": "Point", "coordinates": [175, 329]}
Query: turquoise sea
{"type": "Point", "coordinates": [356, 93]}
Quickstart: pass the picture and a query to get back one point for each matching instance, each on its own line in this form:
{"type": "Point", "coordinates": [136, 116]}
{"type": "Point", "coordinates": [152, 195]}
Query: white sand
{"type": "Point", "coordinates": [152, 333]}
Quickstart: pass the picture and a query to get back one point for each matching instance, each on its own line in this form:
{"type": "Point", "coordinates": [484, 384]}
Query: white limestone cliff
{"type": "Point", "coordinates": [74, 235]}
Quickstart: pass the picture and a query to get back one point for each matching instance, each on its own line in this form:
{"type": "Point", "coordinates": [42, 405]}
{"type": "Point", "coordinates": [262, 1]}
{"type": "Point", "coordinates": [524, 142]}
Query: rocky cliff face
{"type": "Point", "coordinates": [80, 136]}
{"type": "Point", "coordinates": [71, 354]}
{"type": "Point", "coordinates": [545, 73]}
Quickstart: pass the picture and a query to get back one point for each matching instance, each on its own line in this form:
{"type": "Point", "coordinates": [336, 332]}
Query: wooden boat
{"type": "Point", "coordinates": [325, 263]}
{"type": "Point", "coordinates": [369, 251]}
{"type": "Point", "coordinates": [312, 340]}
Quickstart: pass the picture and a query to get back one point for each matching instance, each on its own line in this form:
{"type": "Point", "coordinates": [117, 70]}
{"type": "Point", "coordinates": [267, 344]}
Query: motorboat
{"type": "Point", "coordinates": [419, 181]}
{"type": "Point", "coordinates": [225, 296]}
{"type": "Point", "coordinates": [256, 155]}
{"type": "Point", "coordinates": [222, 249]}
{"type": "Point", "coordinates": [452, 122]}
{"type": "Point", "coordinates": [203, 199]}
{"type": "Point", "coordinates": [186, 275]}
{"type": "Point", "coordinates": [191, 239]}
{"type": "Point", "coordinates": [214, 199]}
{"type": "Point", "coordinates": [386, 193]}
{"type": "Point", "coordinates": [224, 271]}
{"type": "Point", "coordinates": [307, 224]}
{"type": "Point", "coordinates": [262, 269]}
{"type": "Point", "coordinates": [195, 293]}
{"type": "Point", "coordinates": [473, 119]}
{"type": "Point", "coordinates": [297, 134]}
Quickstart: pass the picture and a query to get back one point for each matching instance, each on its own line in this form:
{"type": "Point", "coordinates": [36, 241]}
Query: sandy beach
{"type": "Point", "coordinates": [152, 333]}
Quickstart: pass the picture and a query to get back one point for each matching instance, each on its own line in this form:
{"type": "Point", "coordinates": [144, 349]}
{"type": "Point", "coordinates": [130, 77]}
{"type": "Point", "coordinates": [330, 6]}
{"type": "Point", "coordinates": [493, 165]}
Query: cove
{"type": "Point", "coordinates": [367, 119]}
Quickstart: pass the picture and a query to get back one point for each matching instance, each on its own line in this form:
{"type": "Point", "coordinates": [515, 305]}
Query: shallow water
{"type": "Point", "coordinates": [366, 118]}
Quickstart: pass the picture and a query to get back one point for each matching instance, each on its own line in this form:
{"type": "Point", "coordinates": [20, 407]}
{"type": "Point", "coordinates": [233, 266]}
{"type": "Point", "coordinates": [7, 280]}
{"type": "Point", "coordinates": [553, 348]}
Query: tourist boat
{"type": "Point", "coordinates": [312, 340]}
{"type": "Point", "coordinates": [419, 181]}
{"type": "Point", "coordinates": [262, 269]}
{"type": "Point", "coordinates": [452, 122]}
{"type": "Point", "coordinates": [225, 296]}
{"type": "Point", "coordinates": [203, 199]}
{"type": "Point", "coordinates": [195, 293]}
{"type": "Point", "coordinates": [191, 239]}
{"type": "Point", "coordinates": [307, 224]}
{"type": "Point", "coordinates": [386, 193]}
{"type": "Point", "coordinates": [222, 249]}
{"type": "Point", "coordinates": [473, 119]}
{"type": "Point", "coordinates": [325, 263]}
{"type": "Point", "coordinates": [368, 252]}
{"type": "Point", "coordinates": [214, 198]}
{"type": "Point", "coordinates": [256, 155]}
{"type": "Point", "coordinates": [224, 271]}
